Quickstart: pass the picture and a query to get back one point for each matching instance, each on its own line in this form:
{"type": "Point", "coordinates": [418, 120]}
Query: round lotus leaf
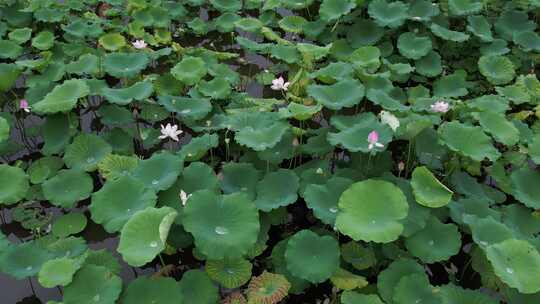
{"type": "Point", "coordinates": [364, 32]}
{"type": "Point", "coordinates": [371, 210]}
{"type": "Point", "coordinates": [521, 219]}
{"type": "Point", "coordinates": [197, 287]}
{"type": "Point", "coordinates": [415, 288]}
{"type": "Point", "coordinates": [392, 14]}
{"type": "Point", "coordinates": [487, 231]}
{"type": "Point", "coordinates": [144, 290]}
{"type": "Point", "coordinates": [355, 138]}
{"type": "Point", "coordinates": [453, 85]}
{"type": "Point", "coordinates": [277, 189]}
{"type": "Point", "coordinates": [323, 199]}
{"type": "Point", "coordinates": [229, 273]}
{"type": "Point", "coordinates": [114, 166]}
{"type": "Point", "coordinates": [359, 256]}
{"type": "Point", "coordinates": [480, 27]}
{"type": "Point", "coordinates": [499, 127]}
{"type": "Point", "coordinates": [351, 297]}
{"type": "Point", "coordinates": [423, 10]}
{"type": "Point", "coordinates": [125, 65]}
{"type": "Point", "coordinates": [248, 24]}
{"type": "Point", "coordinates": [312, 257]}
{"type": "Point", "coordinates": [436, 242]}
{"type": "Point", "coordinates": [58, 272]}
{"type": "Point", "coordinates": [333, 9]}
{"type": "Point", "coordinates": [87, 64]}
{"type": "Point", "coordinates": [198, 176]}
{"type": "Point", "coordinates": [476, 145]}
{"type": "Point", "coordinates": [190, 108]}
{"type": "Point", "coordinates": [13, 184]}
{"type": "Point", "coordinates": [70, 247]}
{"type": "Point", "coordinates": [222, 225]}
{"type": "Point", "coordinates": [144, 235]}
{"type": "Point", "coordinates": [103, 257]}
{"type": "Point", "coordinates": [413, 46]}
{"type": "Point", "coordinates": [293, 24]}
{"type": "Point", "coordinates": [43, 41]}
{"type": "Point", "coordinates": [217, 88]}
{"type": "Point", "coordinates": [190, 70]}
{"type": "Point", "coordinates": [343, 94]}
{"type": "Point", "coordinates": [138, 91]}
{"type": "Point", "coordinates": [447, 34]}
{"type": "Point", "coordinates": [226, 6]}
{"type": "Point", "coordinates": [455, 294]}
{"type": "Point", "coordinates": [86, 151]}
{"type": "Point", "coordinates": [160, 171]}
{"type": "Point", "coordinates": [68, 224]}
{"type": "Point", "coordinates": [239, 177]}
{"type": "Point", "coordinates": [429, 65]}
{"type": "Point", "coordinates": [93, 284]}
{"type": "Point", "coordinates": [517, 263]}
{"type": "Point", "coordinates": [268, 288]}
{"type": "Point", "coordinates": [10, 49]}
{"type": "Point", "coordinates": [524, 187]}
{"type": "Point", "coordinates": [44, 168]}
{"type": "Point", "coordinates": [389, 278]}
{"type": "Point", "coordinates": [63, 97]}
{"type": "Point", "coordinates": [118, 200]}
{"type": "Point", "coordinates": [20, 35]}
{"type": "Point", "coordinates": [345, 280]}
{"type": "Point", "coordinates": [464, 7]}
{"type": "Point", "coordinates": [8, 75]}
{"type": "Point", "coordinates": [112, 41]}
{"type": "Point", "coordinates": [68, 187]}
{"type": "Point", "coordinates": [4, 129]}
{"type": "Point", "coordinates": [497, 69]}
{"type": "Point", "coordinates": [261, 137]}
{"type": "Point", "coordinates": [428, 190]}
{"type": "Point", "coordinates": [528, 41]}
{"type": "Point", "coordinates": [23, 260]}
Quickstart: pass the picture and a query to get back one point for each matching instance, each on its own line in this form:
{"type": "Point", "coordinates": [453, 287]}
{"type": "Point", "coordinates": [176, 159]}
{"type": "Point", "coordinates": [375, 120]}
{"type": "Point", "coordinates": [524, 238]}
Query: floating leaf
{"type": "Point", "coordinates": [44, 168]}
{"type": "Point", "coordinates": [93, 284]}
{"type": "Point", "coordinates": [497, 69]}
{"type": "Point", "coordinates": [160, 171]}
{"type": "Point", "coordinates": [124, 65]}
{"type": "Point", "coordinates": [230, 273]}
{"type": "Point", "coordinates": [323, 199]}
{"type": "Point", "coordinates": [268, 288]}
{"type": "Point", "coordinates": [428, 190]}
{"type": "Point", "coordinates": [190, 70]}
{"type": "Point", "coordinates": [415, 288]}
{"type": "Point", "coordinates": [389, 278]}
{"type": "Point", "coordinates": [68, 187]}
{"type": "Point", "coordinates": [392, 14]}
{"type": "Point", "coordinates": [333, 9]}
{"type": "Point", "coordinates": [13, 184]}
{"type": "Point", "coordinates": [63, 97]}
{"type": "Point", "coordinates": [197, 287]}
{"type": "Point", "coordinates": [476, 144]}
{"type": "Point", "coordinates": [277, 189]}
{"type": "Point", "coordinates": [351, 297]}
{"type": "Point", "coordinates": [145, 290]}
{"type": "Point", "coordinates": [436, 242]}
{"type": "Point", "coordinates": [68, 224]}
{"type": "Point", "coordinates": [112, 41]}
{"type": "Point", "coordinates": [359, 256]}
{"type": "Point", "coordinates": [523, 187]}
{"type": "Point", "coordinates": [23, 260]}
{"type": "Point", "coordinates": [501, 129]}
{"type": "Point", "coordinates": [447, 34]}
{"type": "Point", "coordinates": [345, 280]}
{"type": "Point", "coordinates": [86, 151]}
{"type": "Point", "coordinates": [139, 91]}
{"type": "Point", "coordinates": [58, 272]}
{"type": "Point", "coordinates": [412, 46]}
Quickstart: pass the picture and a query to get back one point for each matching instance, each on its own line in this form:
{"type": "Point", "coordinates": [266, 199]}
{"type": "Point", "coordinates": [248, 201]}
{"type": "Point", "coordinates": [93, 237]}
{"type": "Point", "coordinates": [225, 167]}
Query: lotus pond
{"type": "Point", "coordinates": [264, 152]}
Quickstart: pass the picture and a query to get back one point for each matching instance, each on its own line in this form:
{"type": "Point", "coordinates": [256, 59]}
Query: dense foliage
{"type": "Point", "coordinates": [279, 151]}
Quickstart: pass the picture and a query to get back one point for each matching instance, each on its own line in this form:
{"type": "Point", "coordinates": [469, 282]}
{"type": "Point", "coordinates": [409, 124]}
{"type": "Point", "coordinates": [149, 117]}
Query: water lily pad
{"type": "Point", "coordinates": [364, 32]}
{"type": "Point", "coordinates": [413, 46]}
{"type": "Point", "coordinates": [333, 9]}
{"type": "Point", "coordinates": [160, 171]}
{"type": "Point", "coordinates": [351, 297]}
{"type": "Point", "coordinates": [8, 75]}
{"type": "Point", "coordinates": [389, 278]}
{"type": "Point", "coordinates": [476, 145]}
{"type": "Point", "coordinates": [68, 224]}
{"type": "Point", "coordinates": [23, 260]}
{"type": "Point", "coordinates": [114, 166]}
{"type": "Point", "coordinates": [392, 14]}
{"type": "Point", "coordinates": [63, 97]}
{"type": "Point", "coordinates": [497, 69]}
{"type": "Point", "coordinates": [125, 65]}
{"type": "Point", "coordinates": [197, 287]}
{"type": "Point", "coordinates": [294, 24]}
{"type": "Point", "coordinates": [43, 41]}
{"type": "Point", "coordinates": [44, 168]}
{"type": "Point", "coordinates": [58, 272]}
{"type": "Point", "coordinates": [370, 210]}
{"type": "Point", "coordinates": [259, 132]}
{"type": "Point", "coordinates": [145, 234]}
{"type": "Point", "coordinates": [13, 184]}
{"type": "Point", "coordinates": [428, 190]}
{"type": "Point", "coordinates": [112, 41]}
{"type": "Point", "coordinates": [118, 200]}
{"type": "Point", "coordinates": [361, 257]}
{"type": "Point", "coordinates": [190, 70]}
{"type": "Point", "coordinates": [268, 288]}
{"type": "Point", "coordinates": [145, 290]}
{"type": "Point", "coordinates": [480, 27]}
{"type": "Point", "coordinates": [523, 187]}
{"type": "Point", "coordinates": [217, 88]}
{"type": "Point", "coordinates": [455, 294]}
{"type": "Point", "coordinates": [68, 187]}
{"type": "Point", "coordinates": [415, 288]}
{"type": "Point", "coordinates": [464, 7]}
{"type": "Point", "coordinates": [436, 242]}
{"type": "Point", "coordinates": [20, 35]}
{"type": "Point", "coordinates": [345, 93]}
{"type": "Point", "coordinates": [447, 34]}
{"type": "Point", "coordinates": [86, 151]}
{"type": "Point", "coordinates": [138, 91]}
{"type": "Point", "coordinates": [323, 199]}
{"type": "Point", "coordinates": [355, 138]}
{"type": "Point", "coordinates": [222, 225]}
{"type": "Point", "coordinates": [240, 177]}
{"type": "Point", "coordinates": [230, 273]}
{"type": "Point", "coordinates": [93, 284]}
{"type": "Point", "coordinates": [10, 49]}
{"type": "Point", "coordinates": [277, 189]}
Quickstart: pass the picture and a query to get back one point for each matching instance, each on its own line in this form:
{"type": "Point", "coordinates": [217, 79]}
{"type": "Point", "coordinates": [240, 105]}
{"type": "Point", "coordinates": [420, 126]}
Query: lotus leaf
{"type": "Point", "coordinates": [86, 151]}
{"type": "Point", "coordinates": [217, 88]}
{"type": "Point", "coordinates": [139, 91]}
{"type": "Point", "coordinates": [415, 288]}
{"type": "Point", "coordinates": [44, 168]}
{"type": "Point", "coordinates": [447, 34]}
{"type": "Point", "coordinates": [436, 242]}
{"type": "Point", "coordinates": [190, 70]}
{"type": "Point", "coordinates": [355, 138]}
{"type": "Point", "coordinates": [391, 14]}
{"type": "Point", "coordinates": [412, 46]}
{"type": "Point", "coordinates": [68, 187]}
{"type": "Point", "coordinates": [277, 189]}
{"type": "Point", "coordinates": [523, 181]}
{"type": "Point", "coordinates": [93, 284]}
{"type": "Point", "coordinates": [268, 288]}
{"type": "Point", "coordinates": [476, 145]}
{"type": "Point", "coordinates": [63, 97]}
{"type": "Point", "coordinates": [351, 297]}
{"type": "Point", "coordinates": [8, 75]}
{"type": "Point", "coordinates": [359, 256]}
{"type": "Point", "coordinates": [160, 171]}
{"type": "Point", "coordinates": [23, 260]}
{"type": "Point", "coordinates": [190, 108]}
{"type": "Point", "coordinates": [323, 199]}
{"type": "Point", "coordinates": [464, 7]}
{"type": "Point", "coordinates": [71, 223]}
{"type": "Point", "coordinates": [497, 69]}
{"type": "Point", "coordinates": [13, 184]}
{"type": "Point", "coordinates": [428, 190]}
{"type": "Point", "coordinates": [239, 177]}
{"type": "Point", "coordinates": [197, 287]}
{"type": "Point", "coordinates": [156, 290]}
{"type": "Point", "coordinates": [10, 49]}
{"type": "Point", "coordinates": [390, 277]}
{"type": "Point", "coordinates": [112, 41]}
{"type": "Point", "coordinates": [125, 64]}
{"type": "Point", "coordinates": [230, 273]}
{"type": "Point", "coordinates": [345, 93]}
{"type": "Point", "coordinates": [333, 9]}
{"type": "Point", "coordinates": [58, 272]}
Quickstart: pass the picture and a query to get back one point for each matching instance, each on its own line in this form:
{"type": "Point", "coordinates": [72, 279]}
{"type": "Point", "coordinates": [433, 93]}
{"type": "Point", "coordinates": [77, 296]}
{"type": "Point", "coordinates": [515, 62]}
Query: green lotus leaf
{"type": "Point", "coordinates": [423, 10]}
{"type": "Point", "coordinates": [392, 14]}
{"type": "Point", "coordinates": [370, 210]}
{"type": "Point", "coordinates": [364, 32]}
{"type": "Point", "coordinates": [464, 7]}
{"type": "Point", "coordinates": [93, 284]}
{"type": "Point", "coordinates": [145, 234]}
{"type": "Point", "coordinates": [138, 91]}
{"type": "Point", "coordinates": [68, 187]}
{"type": "Point", "coordinates": [230, 273]}
{"type": "Point", "coordinates": [351, 297]}
{"type": "Point", "coordinates": [268, 288]}
{"type": "Point", "coordinates": [190, 70]}
{"type": "Point", "coordinates": [428, 190]}
{"type": "Point", "coordinates": [331, 73]}
{"type": "Point", "coordinates": [217, 88]}
{"type": "Point", "coordinates": [366, 57]}
{"type": "Point", "coordinates": [277, 189]}
{"type": "Point", "coordinates": [197, 287]}
{"type": "Point", "coordinates": [389, 278]}
{"type": "Point", "coordinates": [494, 103]}
{"type": "Point", "coordinates": [333, 9]}
{"type": "Point", "coordinates": [359, 256]}
{"type": "Point", "coordinates": [480, 27]}
{"type": "Point", "coordinates": [501, 129]}
{"type": "Point", "coordinates": [86, 151]}
{"type": "Point", "coordinates": [23, 260]}
{"type": "Point", "coordinates": [249, 24]}
{"type": "Point", "coordinates": [261, 135]}
{"type": "Point", "coordinates": [523, 181]}
{"type": "Point", "coordinates": [114, 166]}
{"type": "Point", "coordinates": [57, 132]}
{"type": "Point", "coordinates": [160, 171]}
{"type": "Point", "coordinates": [517, 263]}
{"type": "Point", "coordinates": [293, 24]}
{"type": "Point", "coordinates": [345, 93]}
{"type": "Point", "coordinates": [43, 41]}
{"type": "Point", "coordinates": [70, 247]}
{"type": "Point", "coordinates": [413, 46]}
{"type": "Point", "coordinates": [13, 184]}
{"type": "Point", "coordinates": [190, 108]}
{"type": "Point", "coordinates": [487, 231]}
{"type": "Point", "coordinates": [447, 34]}
{"type": "Point", "coordinates": [240, 177]}
{"type": "Point", "coordinates": [528, 41]}
{"type": "Point", "coordinates": [122, 142]}
{"type": "Point", "coordinates": [20, 35]}
{"type": "Point", "coordinates": [10, 49]}
{"type": "Point", "coordinates": [454, 85]}
{"type": "Point", "coordinates": [513, 21]}
{"type": "Point", "coordinates": [58, 272]}
{"type": "Point", "coordinates": [476, 145]}
{"type": "Point", "coordinates": [295, 4]}
{"type": "Point", "coordinates": [323, 199]}
{"type": "Point", "coordinates": [103, 257]}
{"type": "Point", "coordinates": [197, 176]}
{"type": "Point", "coordinates": [87, 64]}
{"type": "Point", "coordinates": [223, 226]}
{"type": "Point", "coordinates": [226, 5]}
{"type": "Point", "coordinates": [225, 22]}
{"type": "Point", "coordinates": [497, 69]}
{"type": "Point", "coordinates": [346, 280]}
{"type": "Point", "coordinates": [521, 219]}
{"type": "Point", "coordinates": [160, 290]}
{"type": "Point", "coordinates": [112, 41]}
{"type": "Point", "coordinates": [354, 139]}
{"type": "Point", "coordinates": [44, 168]}
{"type": "Point", "coordinates": [63, 97]}
{"type": "Point", "coordinates": [8, 75]}
{"type": "Point", "coordinates": [436, 242]}
{"type": "Point", "coordinates": [415, 288]}
{"type": "Point", "coordinates": [118, 200]}
{"type": "Point", "coordinates": [287, 53]}
{"type": "Point", "coordinates": [198, 147]}
{"type": "Point", "coordinates": [455, 294]}
{"type": "Point", "coordinates": [68, 224]}
{"type": "Point", "coordinates": [125, 65]}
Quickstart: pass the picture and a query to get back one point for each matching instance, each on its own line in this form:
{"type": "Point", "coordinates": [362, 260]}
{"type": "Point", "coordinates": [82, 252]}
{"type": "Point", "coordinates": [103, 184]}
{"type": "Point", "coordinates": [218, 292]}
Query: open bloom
{"type": "Point", "coordinates": [440, 106]}
{"type": "Point", "coordinates": [389, 119]}
{"type": "Point", "coordinates": [139, 44]}
{"type": "Point", "coordinates": [23, 105]}
{"type": "Point", "coordinates": [280, 84]}
{"type": "Point", "coordinates": [184, 197]}
{"type": "Point", "coordinates": [170, 131]}
{"type": "Point", "coordinates": [373, 140]}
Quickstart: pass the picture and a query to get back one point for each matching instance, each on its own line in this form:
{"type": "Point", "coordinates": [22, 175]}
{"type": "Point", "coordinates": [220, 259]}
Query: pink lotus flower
{"type": "Point", "coordinates": [440, 106]}
{"type": "Point", "coordinates": [139, 44]}
{"type": "Point", "coordinates": [373, 140]}
{"type": "Point", "coordinates": [279, 84]}
{"type": "Point", "coordinates": [23, 105]}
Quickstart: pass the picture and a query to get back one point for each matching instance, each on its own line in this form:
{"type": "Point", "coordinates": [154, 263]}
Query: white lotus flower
{"type": "Point", "coordinates": [184, 197]}
{"type": "Point", "coordinates": [139, 44]}
{"type": "Point", "coordinates": [170, 131]}
{"type": "Point", "coordinates": [279, 84]}
{"type": "Point", "coordinates": [440, 106]}
{"type": "Point", "coordinates": [389, 119]}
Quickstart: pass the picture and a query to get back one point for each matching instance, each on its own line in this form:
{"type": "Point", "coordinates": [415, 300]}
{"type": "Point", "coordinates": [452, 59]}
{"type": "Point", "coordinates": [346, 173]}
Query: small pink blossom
{"type": "Point", "coordinates": [373, 140]}
{"type": "Point", "coordinates": [279, 84]}
{"type": "Point", "coordinates": [440, 106]}
{"type": "Point", "coordinates": [139, 44]}
{"type": "Point", "coordinates": [23, 105]}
